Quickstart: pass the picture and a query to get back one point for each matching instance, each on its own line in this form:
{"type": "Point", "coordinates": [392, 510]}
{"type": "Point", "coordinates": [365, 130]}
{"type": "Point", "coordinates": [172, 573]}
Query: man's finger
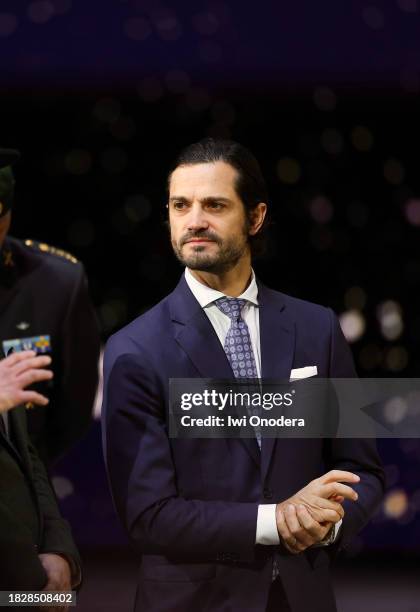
{"type": "Point", "coordinates": [325, 515]}
{"type": "Point", "coordinates": [34, 398]}
{"type": "Point", "coordinates": [31, 376]}
{"type": "Point", "coordinates": [303, 539]}
{"type": "Point", "coordinates": [315, 530]}
{"type": "Point", "coordinates": [287, 538]}
{"type": "Point", "coordinates": [39, 361]}
{"type": "Point", "coordinates": [15, 358]}
{"type": "Point", "coordinates": [338, 476]}
{"type": "Point", "coordinates": [330, 504]}
{"type": "Point", "coordinates": [337, 498]}
{"type": "Point", "coordinates": [337, 488]}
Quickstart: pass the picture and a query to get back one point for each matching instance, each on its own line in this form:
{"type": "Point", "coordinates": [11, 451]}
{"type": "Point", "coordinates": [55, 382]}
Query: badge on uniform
{"type": "Point", "coordinates": [39, 344]}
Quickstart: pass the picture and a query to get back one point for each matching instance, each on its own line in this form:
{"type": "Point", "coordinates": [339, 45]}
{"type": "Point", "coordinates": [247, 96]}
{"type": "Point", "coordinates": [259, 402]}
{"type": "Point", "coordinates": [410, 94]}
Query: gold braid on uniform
{"type": "Point", "coordinates": [46, 248]}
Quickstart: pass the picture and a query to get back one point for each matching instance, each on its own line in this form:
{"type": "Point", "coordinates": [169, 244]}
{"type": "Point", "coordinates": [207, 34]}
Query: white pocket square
{"type": "Point", "coordinates": [306, 372]}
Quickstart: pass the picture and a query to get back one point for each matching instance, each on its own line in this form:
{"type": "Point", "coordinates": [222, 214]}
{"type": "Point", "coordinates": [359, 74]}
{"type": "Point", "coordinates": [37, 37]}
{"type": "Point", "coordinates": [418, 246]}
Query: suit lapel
{"type": "Point", "coordinates": [195, 334]}
{"type": "Point", "coordinates": [277, 341]}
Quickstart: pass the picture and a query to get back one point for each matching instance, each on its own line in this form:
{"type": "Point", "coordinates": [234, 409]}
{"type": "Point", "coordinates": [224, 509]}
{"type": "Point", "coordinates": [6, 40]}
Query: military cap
{"type": "Point", "coordinates": [7, 181]}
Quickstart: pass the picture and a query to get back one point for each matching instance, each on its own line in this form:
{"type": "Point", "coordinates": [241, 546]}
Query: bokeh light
{"type": "Point", "coordinates": [107, 110]}
{"type": "Point", "coordinates": [8, 24]}
{"type": "Point", "coordinates": [78, 161]}
{"type": "Point", "coordinates": [321, 209]}
{"type": "Point", "coordinates": [288, 170]}
{"type": "Point", "coordinates": [412, 211]}
{"type": "Point", "coordinates": [395, 503]}
{"type": "Point", "coordinates": [40, 11]}
{"type": "Point", "coordinates": [396, 358]}
{"type": "Point", "coordinates": [394, 171]}
{"type": "Point", "coordinates": [373, 17]}
{"type": "Point", "coordinates": [167, 25]}
{"type": "Point", "coordinates": [63, 487]}
{"type": "Point", "coordinates": [205, 23]}
{"type": "Point", "coordinates": [352, 324]}
{"type": "Point", "coordinates": [408, 6]}
{"type": "Point", "coordinates": [61, 6]}
{"type": "Point", "coordinates": [395, 410]}
{"type": "Point", "coordinates": [389, 314]}
{"type": "Point", "coordinates": [362, 138]}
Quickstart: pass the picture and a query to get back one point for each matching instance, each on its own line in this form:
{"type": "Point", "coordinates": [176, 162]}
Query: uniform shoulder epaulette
{"type": "Point", "coordinates": [46, 248]}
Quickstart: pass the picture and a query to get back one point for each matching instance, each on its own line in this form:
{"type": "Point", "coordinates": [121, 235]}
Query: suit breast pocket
{"type": "Point", "coordinates": [178, 572]}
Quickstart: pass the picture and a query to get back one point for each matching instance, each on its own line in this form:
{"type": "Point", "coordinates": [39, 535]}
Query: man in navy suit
{"type": "Point", "coordinates": [228, 524]}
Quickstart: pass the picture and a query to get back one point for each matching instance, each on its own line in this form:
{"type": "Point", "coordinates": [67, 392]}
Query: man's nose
{"type": "Point", "coordinates": [197, 218]}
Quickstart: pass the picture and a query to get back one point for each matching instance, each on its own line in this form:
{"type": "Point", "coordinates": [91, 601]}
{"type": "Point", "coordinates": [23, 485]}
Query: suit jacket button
{"type": "Point", "coordinates": [268, 493]}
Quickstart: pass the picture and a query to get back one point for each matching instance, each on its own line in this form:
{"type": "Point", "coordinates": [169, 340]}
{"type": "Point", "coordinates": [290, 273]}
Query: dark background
{"type": "Point", "coordinates": [100, 96]}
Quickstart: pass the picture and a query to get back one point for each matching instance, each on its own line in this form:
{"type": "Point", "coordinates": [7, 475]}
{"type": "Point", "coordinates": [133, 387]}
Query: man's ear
{"type": "Point", "coordinates": [257, 216]}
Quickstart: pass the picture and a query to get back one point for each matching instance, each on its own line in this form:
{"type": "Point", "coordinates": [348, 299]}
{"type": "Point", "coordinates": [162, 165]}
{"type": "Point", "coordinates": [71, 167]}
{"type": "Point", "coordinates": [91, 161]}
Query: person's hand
{"type": "Point", "coordinates": [58, 575]}
{"type": "Point", "coordinates": [305, 518]}
{"type": "Point", "coordinates": [298, 529]}
{"type": "Point", "coordinates": [17, 372]}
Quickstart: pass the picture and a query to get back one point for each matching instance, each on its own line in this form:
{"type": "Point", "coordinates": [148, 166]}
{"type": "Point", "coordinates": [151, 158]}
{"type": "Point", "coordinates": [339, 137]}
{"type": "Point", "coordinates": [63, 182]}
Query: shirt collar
{"type": "Point", "coordinates": [206, 295]}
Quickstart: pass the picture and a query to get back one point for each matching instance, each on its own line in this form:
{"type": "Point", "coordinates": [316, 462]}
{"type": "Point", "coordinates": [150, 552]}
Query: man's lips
{"type": "Point", "coordinates": [199, 240]}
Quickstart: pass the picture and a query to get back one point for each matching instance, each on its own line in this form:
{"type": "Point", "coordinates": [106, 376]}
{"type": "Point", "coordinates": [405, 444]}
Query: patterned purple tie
{"type": "Point", "coordinates": [238, 347]}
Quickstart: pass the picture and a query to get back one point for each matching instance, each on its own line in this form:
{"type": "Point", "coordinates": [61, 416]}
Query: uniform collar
{"type": "Point", "coordinates": [206, 295]}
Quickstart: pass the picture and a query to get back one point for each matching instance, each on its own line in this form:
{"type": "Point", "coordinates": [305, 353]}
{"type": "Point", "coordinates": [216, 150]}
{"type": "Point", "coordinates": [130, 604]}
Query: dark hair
{"type": "Point", "coordinates": [249, 185]}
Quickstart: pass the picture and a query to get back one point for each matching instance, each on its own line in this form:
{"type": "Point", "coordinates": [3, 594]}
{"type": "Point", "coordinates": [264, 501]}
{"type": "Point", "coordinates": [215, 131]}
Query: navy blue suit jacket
{"type": "Point", "coordinates": [190, 506]}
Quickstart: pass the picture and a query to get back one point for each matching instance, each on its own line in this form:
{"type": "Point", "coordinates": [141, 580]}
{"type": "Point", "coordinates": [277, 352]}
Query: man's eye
{"type": "Point", "coordinates": [178, 205]}
{"type": "Point", "coordinates": [215, 205]}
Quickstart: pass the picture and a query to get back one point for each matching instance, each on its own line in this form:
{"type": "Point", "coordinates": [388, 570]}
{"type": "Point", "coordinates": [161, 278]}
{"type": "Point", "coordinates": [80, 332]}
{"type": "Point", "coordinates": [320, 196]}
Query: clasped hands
{"type": "Point", "coordinates": [307, 517]}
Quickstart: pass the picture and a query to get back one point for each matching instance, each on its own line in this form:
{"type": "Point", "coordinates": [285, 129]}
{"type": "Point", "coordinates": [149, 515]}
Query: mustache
{"type": "Point", "coordinates": [203, 234]}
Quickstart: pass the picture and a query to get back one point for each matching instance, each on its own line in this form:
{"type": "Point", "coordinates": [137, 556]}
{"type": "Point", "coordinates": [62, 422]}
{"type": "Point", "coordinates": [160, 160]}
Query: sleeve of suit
{"type": "Point", "coordinates": [143, 479]}
{"type": "Point", "coordinates": [359, 455]}
{"type": "Point", "coordinates": [20, 567]}
{"type": "Point", "coordinates": [57, 537]}
{"type": "Point", "coordinates": [79, 353]}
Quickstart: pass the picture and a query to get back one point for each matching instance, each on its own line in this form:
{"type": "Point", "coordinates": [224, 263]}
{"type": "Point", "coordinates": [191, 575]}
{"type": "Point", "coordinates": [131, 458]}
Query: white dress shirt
{"type": "Point", "coordinates": [266, 532]}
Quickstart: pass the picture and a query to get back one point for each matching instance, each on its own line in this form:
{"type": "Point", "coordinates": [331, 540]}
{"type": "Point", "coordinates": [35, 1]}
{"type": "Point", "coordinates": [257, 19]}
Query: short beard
{"type": "Point", "coordinates": [230, 252]}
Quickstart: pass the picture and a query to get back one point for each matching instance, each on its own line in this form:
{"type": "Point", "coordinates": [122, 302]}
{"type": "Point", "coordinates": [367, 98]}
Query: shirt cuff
{"type": "Point", "coordinates": [331, 536]}
{"type": "Point", "coordinates": [267, 533]}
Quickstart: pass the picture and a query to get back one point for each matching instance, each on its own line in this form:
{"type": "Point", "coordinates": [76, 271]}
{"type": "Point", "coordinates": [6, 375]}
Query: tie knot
{"type": "Point", "coordinates": [230, 306]}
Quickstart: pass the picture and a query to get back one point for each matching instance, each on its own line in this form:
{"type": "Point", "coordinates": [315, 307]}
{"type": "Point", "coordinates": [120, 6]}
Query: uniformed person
{"type": "Point", "coordinates": [36, 544]}
{"type": "Point", "coordinates": [45, 306]}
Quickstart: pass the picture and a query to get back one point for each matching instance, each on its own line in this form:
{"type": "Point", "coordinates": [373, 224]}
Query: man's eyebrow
{"type": "Point", "coordinates": [205, 200]}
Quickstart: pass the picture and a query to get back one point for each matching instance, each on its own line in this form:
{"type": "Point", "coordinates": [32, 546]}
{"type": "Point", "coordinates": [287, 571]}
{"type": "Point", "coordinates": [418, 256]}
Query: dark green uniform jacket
{"type": "Point", "coordinates": [43, 292]}
{"type": "Point", "coordinates": [30, 521]}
